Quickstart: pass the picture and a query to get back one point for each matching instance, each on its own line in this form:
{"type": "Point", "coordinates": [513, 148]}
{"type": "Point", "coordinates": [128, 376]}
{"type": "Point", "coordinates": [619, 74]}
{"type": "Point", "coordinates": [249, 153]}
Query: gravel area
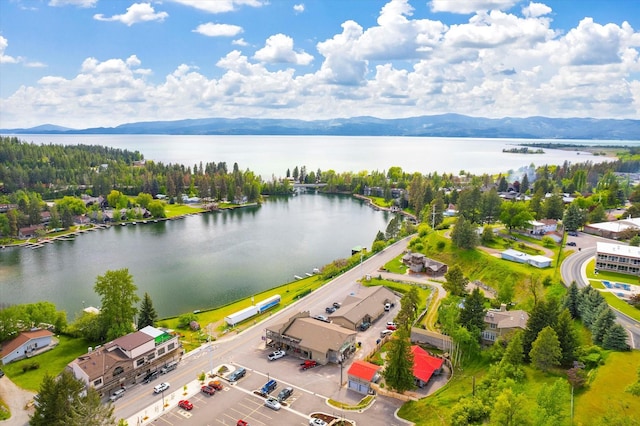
{"type": "Point", "coordinates": [17, 399]}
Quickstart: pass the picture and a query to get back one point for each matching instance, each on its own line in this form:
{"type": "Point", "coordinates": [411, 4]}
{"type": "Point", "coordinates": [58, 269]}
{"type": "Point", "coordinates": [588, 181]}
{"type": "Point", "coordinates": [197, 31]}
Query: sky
{"type": "Point", "coordinates": [93, 63]}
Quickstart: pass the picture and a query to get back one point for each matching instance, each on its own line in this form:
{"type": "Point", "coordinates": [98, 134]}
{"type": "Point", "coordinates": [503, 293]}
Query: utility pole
{"type": "Point", "coordinates": [433, 217]}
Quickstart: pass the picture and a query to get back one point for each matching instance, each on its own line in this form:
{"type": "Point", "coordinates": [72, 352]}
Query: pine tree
{"type": "Point", "coordinates": [148, 314]}
{"type": "Point", "coordinates": [89, 410]}
{"type": "Point", "coordinates": [545, 350]}
{"type": "Point", "coordinates": [604, 321]}
{"type": "Point", "coordinates": [589, 303]}
{"type": "Point", "coordinates": [55, 400]}
{"type": "Point", "coordinates": [456, 283]}
{"type": "Point", "coordinates": [473, 313]}
{"type": "Point", "coordinates": [544, 314]}
{"type": "Point", "coordinates": [398, 374]}
{"type": "Point", "coordinates": [571, 300]}
{"type": "Point", "coordinates": [464, 234]}
{"type": "Point", "coordinates": [615, 338]}
{"type": "Point", "coordinates": [567, 337]}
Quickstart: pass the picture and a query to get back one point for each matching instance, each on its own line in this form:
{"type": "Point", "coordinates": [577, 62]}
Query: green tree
{"type": "Point", "coordinates": [87, 325]}
{"type": "Point", "coordinates": [119, 298]}
{"type": "Point", "coordinates": [156, 208]}
{"type": "Point", "coordinates": [143, 199]}
{"type": "Point", "coordinates": [513, 354]}
{"type": "Point", "coordinates": [542, 315]}
{"type": "Point", "coordinates": [398, 373]}
{"type": "Point", "coordinates": [572, 299]}
{"type": "Point", "coordinates": [506, 292]}
{"type": "Point", "coordinates": [148, 314]}
{"type": "Point", "coordinates": [510, 409]}
{"type": "Point", "coordinates": [553, 400]}
{"type": "Point", "coordinates": [596, 215]}
{"type": "Point", "coordinates": [89, 410]}
{"type": "Point", "coordinates": [515, 215]}
{"type": "Point", "coordinates": [567, 337]}
{"type": "Point", "coordinates": [615, 338]}
{"type": "Point", "coordinates": [574, 217]}
{"type": "Point", "coordinates": [473, 313]}
{"type": "Point", "coordinates": [545, 350]}
{"type": "Point", "coordinates": [490, 205]}
{"type": "Point", "coordinates": [456, 282]}
{"type": "Point", "coordinates": [604, 320]}
{"type": "Point", "coordinates": [409, 307]}
{"type": "Point", "coordinates": [117, 199]}
{"type": "Point", "coordinates": [487, 236]}
{"type": "Point", "coordinates": [464, 234]}
{"type": "Point", "coordinates": [55, 400]}
{"type": "Point", "coordinates": [553, 207]}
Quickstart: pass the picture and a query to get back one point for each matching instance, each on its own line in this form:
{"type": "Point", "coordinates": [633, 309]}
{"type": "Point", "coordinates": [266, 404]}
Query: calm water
{"type": "Point", "coordinates": [212, 259]}
{"type": "Point", "coordinates": [199, 261]}
{"type": "Point", "coordinates": [272, 155]}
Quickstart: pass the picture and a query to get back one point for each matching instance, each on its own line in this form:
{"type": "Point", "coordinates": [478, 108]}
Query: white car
{"type": "Point", "coordinates": [161, 387]}
{"type": "Point", "coordinates": [117, 395]}
{"type": "Point", "coordinates": [391, 323]}
{"type": "Point", "coordinates": [272, 403]}
{"type": "Point", "coordinates": [317, 422]}
{"type": "Point", "coordinates": [276, 355]}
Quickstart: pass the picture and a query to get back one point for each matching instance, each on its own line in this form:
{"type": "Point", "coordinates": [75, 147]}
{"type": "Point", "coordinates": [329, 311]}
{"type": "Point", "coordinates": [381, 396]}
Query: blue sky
{"type": "Point", "coordinates": [90, 63]}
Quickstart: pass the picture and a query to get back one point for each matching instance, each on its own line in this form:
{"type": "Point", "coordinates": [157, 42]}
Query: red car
{"type": "Point", "coordinates": [242, 423]}
{"type": "Point", "coordinates": [307, 364]}
{"type": "Point", "coordinates": [185, 404]}
{"type": "Point", "coordinates": [208, 390]}
{"type": "Point", "coordinates": [216, 384]}
{"type": "Point", "coordinates": [392, 327]}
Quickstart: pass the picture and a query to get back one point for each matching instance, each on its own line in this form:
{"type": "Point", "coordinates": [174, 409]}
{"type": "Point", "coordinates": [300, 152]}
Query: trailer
{"type": "Point", "coordinates": [268, 303]}
{"type": "Point", "coordinates": [242, 315]}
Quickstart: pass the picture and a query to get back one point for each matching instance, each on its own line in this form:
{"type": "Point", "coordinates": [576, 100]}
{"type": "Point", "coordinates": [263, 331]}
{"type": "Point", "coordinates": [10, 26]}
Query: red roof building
{"type": "Point", "coordinates": [424, 365]}
{"type": "Point", "coordinates": [361, 374]}
{"type": "Point", "coordinates": [24, 344]}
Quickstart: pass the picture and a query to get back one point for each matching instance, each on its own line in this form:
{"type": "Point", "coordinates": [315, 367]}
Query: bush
{"type": "Point", "coordinates": [29, 367]}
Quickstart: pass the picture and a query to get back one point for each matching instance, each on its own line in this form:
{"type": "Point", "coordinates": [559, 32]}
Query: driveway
{"type": "Point", "coordinates": [17, 399]}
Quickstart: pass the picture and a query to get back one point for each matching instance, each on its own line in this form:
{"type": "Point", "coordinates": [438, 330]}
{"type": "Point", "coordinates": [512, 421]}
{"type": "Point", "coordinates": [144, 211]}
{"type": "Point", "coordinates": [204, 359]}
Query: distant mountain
{"type": "Point", "coordinates": [446, 125]}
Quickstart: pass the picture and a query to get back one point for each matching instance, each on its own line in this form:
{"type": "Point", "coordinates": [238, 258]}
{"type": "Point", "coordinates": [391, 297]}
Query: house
{"type": "Point", "coordinates": [424, 365]}
{"type": "Point", "coordinates": [309, 338]}
{"type": "Point", "coordinates": [364, 307]}
{"type": "Point", "coordinates": [360, 376]}
{"type": "Point", "coordinates": [542, 226]}
{"type": "Point", "coordinates": [614, 229]}
{"type": "Point", "coordinates": [25, 344]}
{"type": "Point", "coordinates": [618, 258]}
{"type": "Point", "coordinates": [29, 231]}
{"type": "Point", "coordinates": [126, 359]}
{"type": "Point", "coordinates": [520, 257]}
{"type": "Point", "coordinates": [418, 262]}
{"type": "Point", "coordinates": [500, 322]}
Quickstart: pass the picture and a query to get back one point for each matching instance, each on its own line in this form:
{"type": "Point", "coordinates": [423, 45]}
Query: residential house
{"type": "Point", "coordinates": [126, 359]}
{"type": "Point", "coordinates": [29, 231]}
{"type": "Point", "coordinates": [309, 338]}
{"type": "Point", "coordinates": [500, 322]}
{"type": "Point", "coordinates": [418, 262]}
{"type": "Point", "coordinates": [360, 376]}
{"type": "Point", "coordinates": [425, 365]}
{"type": "Point", "coordinates": [366, 306]}
{"type": "Point", "coordinates": [542, 226]}
{"type": "Point", "coordinates": [25, 344]}
{"type": "Point", "coordinates": [520, 257]}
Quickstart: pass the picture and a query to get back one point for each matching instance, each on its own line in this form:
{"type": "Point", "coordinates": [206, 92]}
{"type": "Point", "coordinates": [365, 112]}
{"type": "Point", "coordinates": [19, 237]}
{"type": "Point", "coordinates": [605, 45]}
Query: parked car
{"type": "Point", "coordinates": [392, 327]}
{"type": "Point", "coordinates": [276, 355]}
{"type": "Point", "coordinates": [329, 309]}
{"type": "Point", "coordinates": [161, 387]}
{"type": "Point", "coordinates": [307, 364]}
{"type": "Point", "coordinates": [216, 384]}
{"type": "Point", "coordinates": [284, 394]}
{"type": "Point", "coordinates": [387, 307]}
{"type": "Point", "coordinates": [317, 422]}
{"type": "Point", "coordinates": [571, 243]}
{"type": "Point", "coordinates": [337, 305]}
{"type": "Point", "coordinates": [151, 376]}
{"type": "Point", "coordinates": [242, 423]}
{"type": "Point", "coordinates": [269, 387]}
{"type": "Point", "coordinates": [185, 405]}
{"type": "Point", "coordinates": [272, 403]}
{"type": "Point", "coordinates": [364, 326]}
{"type": "Point", "coordinates": [573, 233]}
{"type": "Point", "coordinates": [117, 395]}
{"type": "Point", "coordinates": [208, 390]}
{"type": "Point", "coordinates": [237, 374]}
{"type": "Point", "coordinates": [321, 318]}
{"type": "Point", "coordinates": [385, 333]}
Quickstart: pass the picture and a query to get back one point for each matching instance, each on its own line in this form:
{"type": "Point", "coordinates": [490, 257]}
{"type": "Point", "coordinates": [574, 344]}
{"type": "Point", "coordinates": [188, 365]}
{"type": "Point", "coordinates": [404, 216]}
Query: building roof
{"type": "Point", "coordinates": [363, 370]}
{"type": "Point", "coordinates": [152, 331]}
{"type": "Point", "coordinates": [618, 249]}
{"type": "Point", "coordinates": [617, 225]}
{"type": "Point", "coordinates": [368, 299]}
{"type": "Point", "coordinates": [424, 364]}
{"type": "Point", "coordinates": [318, 335]}
{"type": "Point", "coordinates": [131, 341]}
{"type": "Point", "coordinates": [21, 339]}
{"type": "Point", "coordinates": [507, 319]}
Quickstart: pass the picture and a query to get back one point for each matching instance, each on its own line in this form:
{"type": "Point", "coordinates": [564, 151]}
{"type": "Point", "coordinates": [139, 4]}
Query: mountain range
{"type": "Point", "coordinates": [445, 125]}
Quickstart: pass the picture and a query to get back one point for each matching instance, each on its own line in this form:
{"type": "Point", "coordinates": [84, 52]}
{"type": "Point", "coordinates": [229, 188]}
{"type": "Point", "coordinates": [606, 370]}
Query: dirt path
{"type": "Point", "coordinates": [17, 399]}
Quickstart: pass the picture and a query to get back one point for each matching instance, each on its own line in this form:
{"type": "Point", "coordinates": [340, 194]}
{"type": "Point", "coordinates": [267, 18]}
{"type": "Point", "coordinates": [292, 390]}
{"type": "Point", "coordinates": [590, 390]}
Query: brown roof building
{"type": "Point", "coordinates": [500, 322]}
{"type": "Point", "coordinates": [364, 307]}
{"type": "Point", "coordinates": [25, 344]}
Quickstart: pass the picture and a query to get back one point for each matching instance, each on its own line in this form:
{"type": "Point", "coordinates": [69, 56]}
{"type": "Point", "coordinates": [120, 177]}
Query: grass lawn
{"type": "Point", "coordinates": [423, 290]}
{"type": "Point", "coordinates": [52, 362]}
{"type": "Point", "coordinates": [613, 301]}
{"type": "Point", "coordinates": [173, 210]}
{"type": "Point", "coordinates": [605, 392]}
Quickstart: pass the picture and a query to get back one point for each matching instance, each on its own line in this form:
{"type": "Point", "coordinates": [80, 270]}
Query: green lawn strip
{"type": "Point", "coordinates": [380, 201]}
{"type": "Point", "coordinates": [52, 362]}
{"type": "Point", "coordinates": [423, 289]}
{"type": "Point", "coordinates": [606, 390]}
{"type": "Point", "coordinates": [621, 305]}
{"type": "Point", "coordinates": [173, 210]}
{"type": "Point", "coordinates": [613, 300]}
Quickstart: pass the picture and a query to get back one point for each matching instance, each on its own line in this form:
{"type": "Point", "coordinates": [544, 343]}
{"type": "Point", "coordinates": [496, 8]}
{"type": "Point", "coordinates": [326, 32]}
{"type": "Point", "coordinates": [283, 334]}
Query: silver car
{"type": "Point", "coordinates": [272, 403]}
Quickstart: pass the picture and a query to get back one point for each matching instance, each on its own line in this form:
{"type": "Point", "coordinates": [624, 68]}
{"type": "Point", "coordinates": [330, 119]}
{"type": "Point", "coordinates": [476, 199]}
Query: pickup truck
{"type": "Point", "coordinates": [307, 364]}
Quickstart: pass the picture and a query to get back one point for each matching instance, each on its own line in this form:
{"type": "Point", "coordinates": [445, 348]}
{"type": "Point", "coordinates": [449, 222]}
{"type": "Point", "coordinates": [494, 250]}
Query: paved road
{"type": "Point", "coordinates": [574, 269]}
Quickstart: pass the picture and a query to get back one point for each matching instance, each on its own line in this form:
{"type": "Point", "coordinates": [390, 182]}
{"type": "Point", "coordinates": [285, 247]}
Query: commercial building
{"type": "Point", "coordinates": [365, 306]}
{"type": "Point", "coordinates": [618, 258]}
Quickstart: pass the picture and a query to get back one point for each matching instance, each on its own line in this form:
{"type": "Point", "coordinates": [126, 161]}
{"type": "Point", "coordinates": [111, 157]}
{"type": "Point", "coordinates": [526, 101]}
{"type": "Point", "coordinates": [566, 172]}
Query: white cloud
{"type": "Point", "coordinates": [220, 6]}
{"type": "Point", "coordinates": [279, 49]}
{"type": "Point", "coordinates": [6, 59]}
{"type": "Point", "coordinates": [218, 30]}
{"type": "Point", "coordinates": [470, 6]}
{"type": "Point", "coordinates": [534, 10]}
{"type": "Point", "coordinates": [239, 42]}
{"type": "Point", "coordinates": [298, 8]}
{"type": "Point", "coordinates": [79, 3]}
{"type": "Point", "coordinates": [136, 13]}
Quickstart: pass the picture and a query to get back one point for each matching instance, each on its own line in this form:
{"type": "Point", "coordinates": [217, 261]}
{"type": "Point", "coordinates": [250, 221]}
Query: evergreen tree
{"type": "Point", "coordinates": [464, 234]}
{"type": "Point", "coordinates": [398, 373]}
{"type": "Point", "coordinates": [604, 321]}
{"type": "Point", "coordinates": [456, 283]}
{"type": "Point", "coordinates": [572, 299]}
{"type": "Point", "coordinates": [490, 206]}
{"type": "Point", "coordinates": [574, 218]}
{"type": "Point", "coordinates": [148, 314]}
{"type": "Point", "coordinates": [615, 338]}
{"type": "Point", "coordinates": [409, 307]}
{"type": "Point", "coordinates": [542, 315]}
{"type": "Point", "coordinates": [89, 410]}
{"type": "Point", "coordinates": [567, 337]}
{"type": "Point", "coordinates": [553, 207]}
{"type": "Point", "coordinates": [589, 304]}
{"type": "Point", "coordinates": [55, 399]}
{"type": "Point", "coordinates": [545, 350]}
{"type": "Point", "coordinates": [524, 186]}
{"type": "Point", "coordinates": [473, 312]}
